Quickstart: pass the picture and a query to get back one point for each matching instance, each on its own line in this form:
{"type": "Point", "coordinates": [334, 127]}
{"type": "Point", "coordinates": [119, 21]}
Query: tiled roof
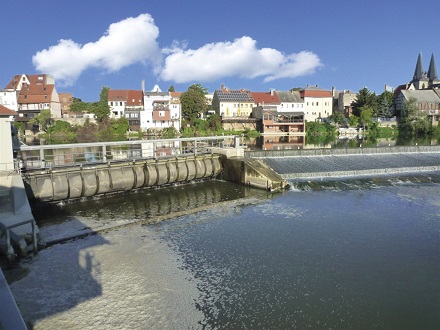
{"type": "Point", "coordinates": [315, 92]}
{"type": "Point", "coordinates": [265, 97]}
{"type": "Point", "coordinates": [131, 97]}
{"type": "Point", "coordinates": [33, 94]}
{"type": "Point", "coordinates": [291, 97]}
{"type": "Point", "coordinates": [6, 111]}
{"type": "Point", "coordinates": [423, 95]}
{"type": "Point", "coordinates": [228, 95]}
{"type": "Point", "coordinates": [34, 79]}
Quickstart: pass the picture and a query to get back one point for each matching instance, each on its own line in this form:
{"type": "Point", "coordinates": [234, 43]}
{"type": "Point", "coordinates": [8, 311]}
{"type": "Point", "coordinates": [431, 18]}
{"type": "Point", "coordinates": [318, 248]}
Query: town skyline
{"type": "Point", "coordinates": [239, 45]}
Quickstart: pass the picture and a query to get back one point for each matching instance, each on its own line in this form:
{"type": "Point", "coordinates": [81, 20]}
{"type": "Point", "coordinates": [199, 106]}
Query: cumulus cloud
{"type": "Point", "coordinates": [132, 40]}
{"type": "Point", "coordinates": [240, 58]}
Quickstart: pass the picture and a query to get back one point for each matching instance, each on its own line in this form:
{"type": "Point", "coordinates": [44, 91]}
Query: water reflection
{"type": "Point", "coordinates": [145, 204]}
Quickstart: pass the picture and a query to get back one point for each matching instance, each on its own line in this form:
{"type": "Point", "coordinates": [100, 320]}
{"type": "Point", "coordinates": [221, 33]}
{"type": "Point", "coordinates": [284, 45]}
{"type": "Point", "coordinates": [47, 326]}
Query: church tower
{"type": "Point", "coordinates": [420, 79]}
{"type": "Point", "coordinates": [432, 72]}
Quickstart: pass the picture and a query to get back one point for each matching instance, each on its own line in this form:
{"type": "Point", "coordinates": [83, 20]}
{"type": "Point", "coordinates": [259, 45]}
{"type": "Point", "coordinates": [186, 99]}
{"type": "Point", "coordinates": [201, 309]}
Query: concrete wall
{"type": "Point", "coordinates": [79, 182]}
{"type": "Point", "coordinates": [6, 155]}
{"type": "Point", "coordinates": [252, 172]}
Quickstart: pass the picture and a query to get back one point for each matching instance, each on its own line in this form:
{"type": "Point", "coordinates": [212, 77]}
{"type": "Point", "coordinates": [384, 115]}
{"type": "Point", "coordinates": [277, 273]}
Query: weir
{"type": "Point", "coordinates": [312, 164]}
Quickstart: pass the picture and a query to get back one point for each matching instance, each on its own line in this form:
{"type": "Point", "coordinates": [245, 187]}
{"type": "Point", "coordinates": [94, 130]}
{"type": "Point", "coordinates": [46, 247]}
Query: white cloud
{"type": "Point", "coordinates": [240, 58]}
{"type": "Point", "coordinates": [132, 40]}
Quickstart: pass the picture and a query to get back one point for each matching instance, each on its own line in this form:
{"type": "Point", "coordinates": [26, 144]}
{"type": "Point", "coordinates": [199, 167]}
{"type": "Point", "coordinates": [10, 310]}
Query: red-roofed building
{"type": "Point", "coordinates": [265, 98]}
{"type": "Point", "coordinates": [126, 103]}
{"type": "Point", "coordinates": [6, 112]}
{"type": "Point", "coordinates": [35, 93]}
{"type": "Point", "coordinates": [318, 103]}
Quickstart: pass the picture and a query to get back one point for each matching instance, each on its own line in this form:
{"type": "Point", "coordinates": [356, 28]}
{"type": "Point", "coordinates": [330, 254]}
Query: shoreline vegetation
{"type": "Point", "coordinates": [62, 132]}
{"type": "Point", "coordinates": [411, 124]}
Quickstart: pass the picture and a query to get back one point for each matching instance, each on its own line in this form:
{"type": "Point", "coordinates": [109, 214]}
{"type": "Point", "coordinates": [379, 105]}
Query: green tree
{"type": "Point", "coordinates": [365, 97]}
{"type": "Point", "coordinates": [43, 119]}
{"type": "Point", "coordinates": [384, 102]}
{"type": "Point", "coordinates": [338, 117]}
{"type": "Point", "coordinates": [413, 121]}
{"type": "Point", "coordinates": [353, 121]}
{"type": "Point", "coordinates": [366, 116]}
{"type": "Point", "coordinates": [101, 108]}
{"type": "Point", "coordinates": [171, 89]}
{"type": "Point", "coordinates": [78, 106]}
{"type": "Point", "coordinates": [193, 102]}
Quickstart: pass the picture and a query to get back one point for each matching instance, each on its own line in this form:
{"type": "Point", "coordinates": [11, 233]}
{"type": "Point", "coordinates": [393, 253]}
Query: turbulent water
{"type": "Point", "coordinates": [352, 254]}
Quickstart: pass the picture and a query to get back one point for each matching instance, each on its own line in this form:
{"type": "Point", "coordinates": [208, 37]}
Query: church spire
{"type": "Point", "coordinates": [418, 72]}
{"type": "Point", "coordinates": [432, 71]}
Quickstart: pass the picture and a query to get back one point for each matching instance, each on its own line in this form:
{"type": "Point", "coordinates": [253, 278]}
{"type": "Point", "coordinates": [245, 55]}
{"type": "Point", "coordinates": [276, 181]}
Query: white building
{"type": "Point", "coordinates": [161, 110]}
{"type": "Point", "coordinates": [8, 98]}
{"type": "Point", "coordinates": [318, 103]}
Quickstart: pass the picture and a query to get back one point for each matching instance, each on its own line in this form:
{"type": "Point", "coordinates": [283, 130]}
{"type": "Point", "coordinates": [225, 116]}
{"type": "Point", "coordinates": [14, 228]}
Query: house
{"type": "Point", "coordinates": [318, 103]}
{"type": "Point", "coordinates": [290, 101]}
{"type": "Point", "coordinates": [35, 93]}
{"type": "Point", "coordinates": [232, 103]}
{"type": "Point", "coordinates": [428, 102]}
{"type": "Point", "coordinates": [159, 111]}
{"type": "Point", "coordinates": [424, 87]}
{"type": "Point", "coordinates": [126, 103]}
{"type": "Point", "coordinates": [272, 121]}
{"type": "Point", "coordinates": [8, 98]}
{"type": "Point", "coordinates": [343, 101]}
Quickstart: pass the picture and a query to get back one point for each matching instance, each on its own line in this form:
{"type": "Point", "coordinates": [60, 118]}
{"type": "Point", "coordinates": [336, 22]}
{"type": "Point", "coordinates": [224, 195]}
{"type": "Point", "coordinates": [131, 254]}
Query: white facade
{"type": "Point", "coordinates": [161, 111]}
{"type": "Point", "coordinates": [116, 108]}
{"type": "Point", "coordinates": [290, 106]}
{"type": "Point", "coordinates": [317, 107]}
{"type": "Point", "coordinates": [8, 98]}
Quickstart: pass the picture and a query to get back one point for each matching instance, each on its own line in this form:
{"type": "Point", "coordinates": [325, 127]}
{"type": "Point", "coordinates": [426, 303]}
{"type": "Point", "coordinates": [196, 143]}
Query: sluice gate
{"type": "Point", "coordinates": [76, 182]}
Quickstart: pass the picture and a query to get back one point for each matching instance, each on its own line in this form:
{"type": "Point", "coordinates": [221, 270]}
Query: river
{"type": "Point", "coordinates": [344, 254]}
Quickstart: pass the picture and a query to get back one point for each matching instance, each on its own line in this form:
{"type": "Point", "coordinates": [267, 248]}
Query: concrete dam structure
{"type": "Point", "coordinates": [76, 182]}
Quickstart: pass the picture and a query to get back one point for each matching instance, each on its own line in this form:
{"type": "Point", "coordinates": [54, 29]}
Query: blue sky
{"type": "Point", "coordinates": [256, 45]}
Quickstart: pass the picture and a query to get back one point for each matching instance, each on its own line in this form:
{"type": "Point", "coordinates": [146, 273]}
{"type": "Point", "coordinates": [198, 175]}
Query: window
{"type": "Point", "coordinates": [317, 103]}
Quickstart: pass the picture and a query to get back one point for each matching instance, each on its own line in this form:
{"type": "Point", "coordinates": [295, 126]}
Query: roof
{"type": "Point", "coordinates": [315, 92]}
{"type": "Point", "coordinates": [422, 95]}
{"type": "Point", "coordinates": [176, 94]}
{"type": "Point", "coordinates": [291, 97]}
{"type": "Point", "coordinates": [265, 97]}
{"type": "Point", "coordinates": [6, 111]}
{"type": "Point", "coordinates": [34, 79]}
{"type": "Point", "coordinates": [229, 95]}
{"type": "Point", "coordinates": [131, 97]}
{"type": "Point", "coordinates": [33, 94]}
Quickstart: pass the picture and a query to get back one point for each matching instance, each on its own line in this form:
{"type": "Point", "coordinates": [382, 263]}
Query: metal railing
{"type": "Point", "coordinates": [49, 156]}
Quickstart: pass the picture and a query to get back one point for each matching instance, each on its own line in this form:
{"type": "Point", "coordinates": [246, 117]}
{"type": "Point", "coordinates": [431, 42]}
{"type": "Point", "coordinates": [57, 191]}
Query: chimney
{"type": "Point", "coordinates": [143, 86]}
{"type": "Point", "coordinates": [222, 87]}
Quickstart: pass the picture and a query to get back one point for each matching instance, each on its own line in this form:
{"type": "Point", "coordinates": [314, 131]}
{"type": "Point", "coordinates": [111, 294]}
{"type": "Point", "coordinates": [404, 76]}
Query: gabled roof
{"type": "Point", "coordinates": [34, 94]}
{"type": "Point", "coordinates": [129, 96]}
{"type": "Point", "coordinates": [265, 97]}
{"type": "Point", "coordinates": [176, 94]}
{"type": "Point", "coordinates": [314, 92]}
{"type": "Point", "coordinates": [229, 95]}
{"type": "Point", "coordinates": [422, 95]}
{"type": "Point", "coordinates": [290, 97]}
{"type": "Point", "coordinates": [32, 79]}
{"type": "Point", "coordinates": [6, 111]}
